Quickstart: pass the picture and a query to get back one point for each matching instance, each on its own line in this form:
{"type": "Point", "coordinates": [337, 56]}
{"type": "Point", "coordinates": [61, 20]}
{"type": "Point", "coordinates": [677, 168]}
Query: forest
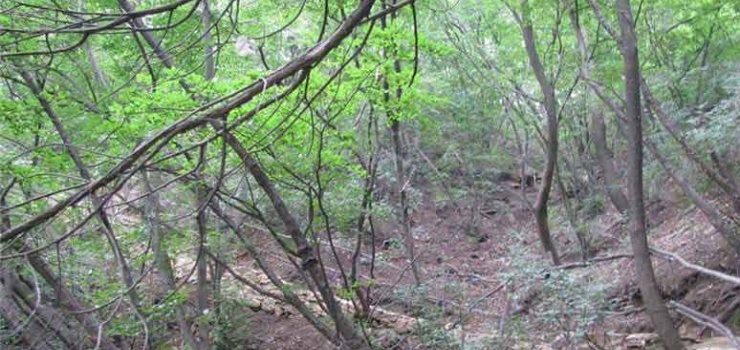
{"type": "Point", "coordinates": [369, 174]}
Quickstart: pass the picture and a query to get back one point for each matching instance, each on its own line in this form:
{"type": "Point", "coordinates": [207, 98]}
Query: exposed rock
{"type": "Point", "coordinates": [719, 343]}
{"type": "Point", "coordinates": [639, 340]}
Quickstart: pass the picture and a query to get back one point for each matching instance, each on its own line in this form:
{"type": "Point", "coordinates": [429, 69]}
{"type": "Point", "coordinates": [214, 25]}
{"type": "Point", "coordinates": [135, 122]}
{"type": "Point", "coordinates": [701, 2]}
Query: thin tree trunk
{"type": "Point", "coordinates": [708, 170]}
{"type": "Point", "coordinates": [349, 339]}
{"type": "Point", "coordinates": [91, 59]}
{"type": "Point", "coordinates": [209, 60]}
{"type": "Point", "coordinates": [401, 193]}
{"type": "Point", "coordinates": [611, 184]}
{"type": "Point", "coordinates": [203, 290]}
{"type": "Point", "coordinates": [551, 109]}
{"type": "Point", "coordinates": [598, 126]}
{"type": "Point", "coordinates": [723, 226]}
{"type": "Point", "coordinates": [162, 260]}
{"type": "Point", "coordinates": [101, 215]}
{"type": "Point", "coordinates": [32, 323]}
{"type": "Point", "coordinates": [99, 75]}
{"type": "Point", "coordinates": [70, 302]}
{"type": "Point", "coordinates": [202, 200]}
{"type": "Point", "coordinates": [399, 153]}
{"type": "Point", "coordinates": [287, 292]}
{"type": "Point", "coordinates": [572, 215]}
{"type": "Point", "coordinates": [716, 218]}
{"type": "Point", "coordinates": [163, 55]}
{"type": "Point", "coordinates": [210, 50]}
{"type": "Point", "coordinates": [638, 235]}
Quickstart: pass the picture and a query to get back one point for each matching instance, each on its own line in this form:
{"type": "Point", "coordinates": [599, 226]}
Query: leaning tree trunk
{"type": "Point", "coordinates": [638, 236]}
{"type": "Point", "coordinates": [37, 325]}
{"type": "Point", "coordinates": [349, 338]}
{"type": "Point", "coordinates": [107, 227]}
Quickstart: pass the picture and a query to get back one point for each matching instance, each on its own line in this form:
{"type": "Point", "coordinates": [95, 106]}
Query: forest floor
{"type": "Point", "coordinates": [482, 262]}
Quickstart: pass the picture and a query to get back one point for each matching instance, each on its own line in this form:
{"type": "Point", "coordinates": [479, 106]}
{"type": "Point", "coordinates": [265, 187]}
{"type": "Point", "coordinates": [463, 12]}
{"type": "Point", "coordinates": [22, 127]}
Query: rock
{"type": "Point", "coordinates": [718, 343]}
{"type": "Point", "coordinates": [639, 340]}
{"type": "Point", "coordinates": [386, 338]}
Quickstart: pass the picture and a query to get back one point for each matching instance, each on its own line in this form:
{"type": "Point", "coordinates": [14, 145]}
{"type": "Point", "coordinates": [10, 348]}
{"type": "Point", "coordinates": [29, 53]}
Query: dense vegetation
{"type": "Point", "coordinates": [160, 157]}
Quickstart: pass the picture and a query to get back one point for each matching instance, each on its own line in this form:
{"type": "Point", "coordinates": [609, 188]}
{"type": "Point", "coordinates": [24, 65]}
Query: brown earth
{"type": "Point", "coordinates": [466, 248]}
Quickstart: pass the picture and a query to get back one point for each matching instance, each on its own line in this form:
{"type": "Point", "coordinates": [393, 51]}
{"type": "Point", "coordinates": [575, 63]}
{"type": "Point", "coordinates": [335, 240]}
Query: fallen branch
{"type": "Point", "coordinates": [673, 257]}
{"type": "Point", "coordinates": [705, 320]}
{"type": "Point", "coordinates": [463, 317]}
{"type": "Point", "coordinates": [661, 254]}
{"type": "Point", "coordinates": [591, 261]}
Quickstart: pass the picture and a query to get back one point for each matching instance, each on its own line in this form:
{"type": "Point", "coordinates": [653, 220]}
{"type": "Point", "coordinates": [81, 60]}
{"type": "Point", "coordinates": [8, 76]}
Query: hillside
{"type": "Point", "coordinates": [369, 174]}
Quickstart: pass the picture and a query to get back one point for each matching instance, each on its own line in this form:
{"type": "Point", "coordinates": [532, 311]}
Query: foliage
{"type": "Point", "coordinates": [566, 306]}
{"type": "Point", "coordinates": [113, 136]}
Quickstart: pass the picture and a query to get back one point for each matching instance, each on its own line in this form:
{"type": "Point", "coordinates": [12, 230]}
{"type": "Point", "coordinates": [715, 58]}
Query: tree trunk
{"type": "Point", "coordinates": [107, 228]}
{"type": "Point", "coordinates": [70, 302]}
{"type": "Point", "coordinates": [210, 50]}
{"type": "Point", "coordinates": [713, 174]}
{"type": "Point", "coordinates": [725, 227]}
{"type": "Point", "coordinates": [162, 260]}
{"type": "Point", "coordinates": [138, 23]}
{"type": "Point", "coordinates": [598, 126]}
{"type": "Point", "coordinates": [99, 75]}
{"type": "Point", "coordinates": [611, 183]}
{"type": "Point", "coordinates": [203, 290]}
{"type": "Point", "coordinates": [287, 292]}
{"type": "Point", "coordinates": [572, 215]}
{"type": "Point", "coordinates": [32, 323]}
{"type": "Point", "coordinates": [551, 109]}
{"type": "Point", "coordinates": [638, 236]}
{"type": "Point", "coordinates": [348, 337]}
{"type": "Point", "coordinates": [403, 206]}
{"type": "Point", "coordinates": [399, 152]}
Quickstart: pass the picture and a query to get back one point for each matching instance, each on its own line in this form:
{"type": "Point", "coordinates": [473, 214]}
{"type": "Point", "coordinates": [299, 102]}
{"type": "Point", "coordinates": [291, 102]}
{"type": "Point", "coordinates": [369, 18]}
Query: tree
{"type": "Point", "coordinates": [192, 160]}
{"type": "Point", "coordinates": [552, 111]}
{"type": "Point", "coordinates": [638, 234]}
{"type": "Point", "coordinates": [169, 165]}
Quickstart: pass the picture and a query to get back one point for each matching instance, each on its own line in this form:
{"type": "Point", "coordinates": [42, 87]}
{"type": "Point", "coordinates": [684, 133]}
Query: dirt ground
{"type": "Point", "coordinates": [465, 250]}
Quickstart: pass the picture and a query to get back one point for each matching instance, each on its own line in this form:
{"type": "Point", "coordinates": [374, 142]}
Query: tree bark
{"type": "Point", "coordinates": [209, 58]}
{"type": "Point", "coordinates": [598, 126]}
{"type": "Point", "coordinates": [654, 304]}
{"type": "Point", "coordinates": [603, 154]}
{"type": "Point", "coordinates": [162, 260]}
{"type": "Point", "coordinates": [203, 290]}
{"type": "Point", "coordinates": [726, 183]}
{"type": "Point", "coordinates": [399, 153]}
{"type": "Point", "coordinates": [348, 337]}
{"type": "Point", "coordinates": [32, 323]}
{"type": "Point", "coordinates": [107, 228]}
{"type": "Point", "coordinates": [551, 109]}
